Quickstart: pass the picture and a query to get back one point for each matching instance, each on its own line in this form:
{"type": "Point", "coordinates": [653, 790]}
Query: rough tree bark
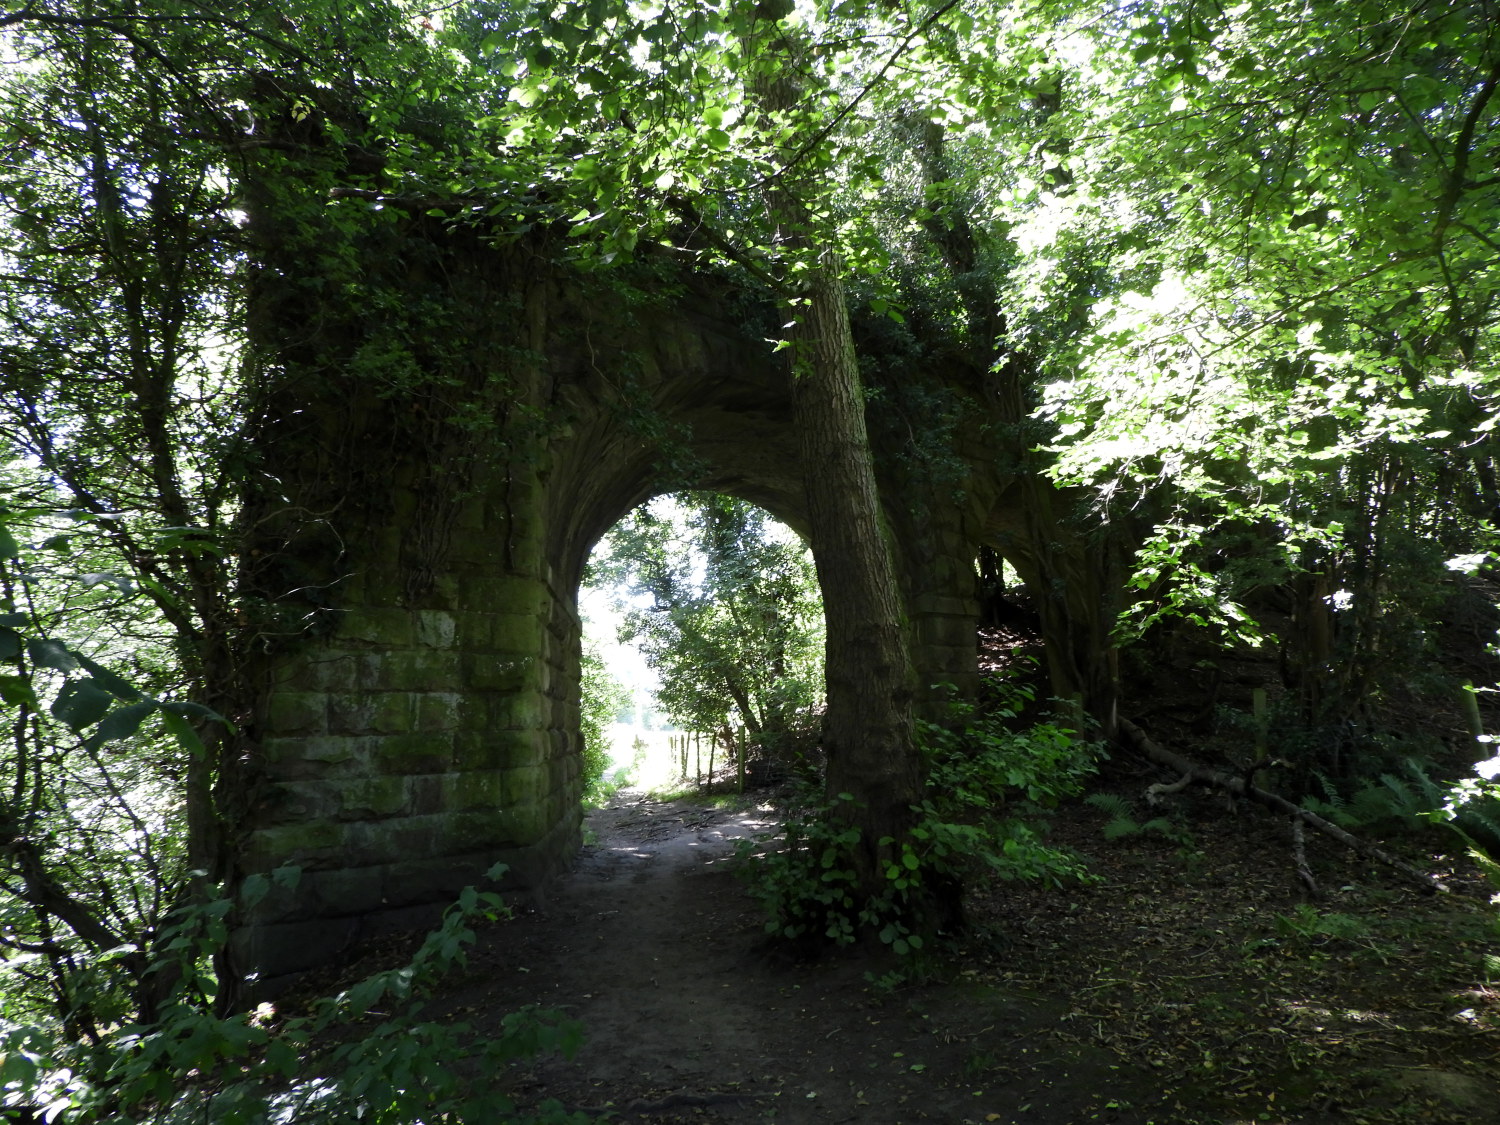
{"type": "Point", "coordinates": [869, 734]}
{"type": "Point", "coordinates": [868, 729]}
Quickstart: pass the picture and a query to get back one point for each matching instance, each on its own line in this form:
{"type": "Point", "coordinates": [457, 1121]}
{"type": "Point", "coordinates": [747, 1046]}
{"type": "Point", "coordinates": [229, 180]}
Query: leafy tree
{"type": "Point", "coordinates": [1245, 257]}
{"type": "Point", "coordinates": [602, 697]}
{"type": "Point", "coordinates": [741, 637]}
{"type": "Point", "coordinates": [130, 409]}
{"type": "Point", "coordinates": [1257, 279]}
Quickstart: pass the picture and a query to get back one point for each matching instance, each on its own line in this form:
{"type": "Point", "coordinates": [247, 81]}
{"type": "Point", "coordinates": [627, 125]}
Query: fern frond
{"type": "Point", "coordinates": [1111, 803]}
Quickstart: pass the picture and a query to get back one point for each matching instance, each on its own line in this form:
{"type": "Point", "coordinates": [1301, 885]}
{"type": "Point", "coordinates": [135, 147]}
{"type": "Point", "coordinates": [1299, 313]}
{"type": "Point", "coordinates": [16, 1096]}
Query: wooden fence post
{"type": "Point", "coordinates": [743, 741]}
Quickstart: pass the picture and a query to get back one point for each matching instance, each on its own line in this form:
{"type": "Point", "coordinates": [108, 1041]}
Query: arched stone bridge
{"type": "Point", "coordinates": [444, 442]}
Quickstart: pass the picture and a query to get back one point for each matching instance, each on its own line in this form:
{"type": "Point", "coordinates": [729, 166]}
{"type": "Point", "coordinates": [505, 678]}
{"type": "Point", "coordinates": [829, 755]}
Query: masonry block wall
{"type": "Point", "coordinates": [417, 719]}
{"type": "Point", "coordinates": [411, 750]}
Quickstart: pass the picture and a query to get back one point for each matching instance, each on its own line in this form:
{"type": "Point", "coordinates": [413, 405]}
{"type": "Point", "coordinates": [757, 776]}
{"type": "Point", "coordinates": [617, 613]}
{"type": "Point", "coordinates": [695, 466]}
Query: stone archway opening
{"type": "Point", "coordinates": [417, 719]}
{"type": "Point", "coordinates": [706, 609]}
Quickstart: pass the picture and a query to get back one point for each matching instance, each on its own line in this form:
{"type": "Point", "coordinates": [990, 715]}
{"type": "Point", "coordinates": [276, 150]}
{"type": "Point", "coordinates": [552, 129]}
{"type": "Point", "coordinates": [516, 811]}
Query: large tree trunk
{"type": "Point", "coordinates": [875, 772]}
{"type": "Point", "coordinates": [868, 731]}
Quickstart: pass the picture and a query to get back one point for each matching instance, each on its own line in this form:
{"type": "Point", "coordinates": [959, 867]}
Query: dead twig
{"type": "Point", "coordinates": [1299, 856]}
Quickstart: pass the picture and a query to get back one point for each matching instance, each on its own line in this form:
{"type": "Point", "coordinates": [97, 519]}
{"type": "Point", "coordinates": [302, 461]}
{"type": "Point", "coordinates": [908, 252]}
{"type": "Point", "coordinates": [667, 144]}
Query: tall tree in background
{"type": "Point", "coordinates": [1259, 269]}
{"type": "Point", "coordinates": [741, 637]}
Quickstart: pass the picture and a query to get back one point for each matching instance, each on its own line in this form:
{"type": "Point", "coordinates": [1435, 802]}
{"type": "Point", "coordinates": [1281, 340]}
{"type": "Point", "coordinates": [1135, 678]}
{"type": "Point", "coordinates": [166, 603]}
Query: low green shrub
{"type": "Point", "coordinates": [364, 1055]}
{"type": "Point", "coordinates": [1411, 801]}
{"type": "Point", "coordinates": [1122, 822]}
{"type": "Point", "coordinates": [987, 788]}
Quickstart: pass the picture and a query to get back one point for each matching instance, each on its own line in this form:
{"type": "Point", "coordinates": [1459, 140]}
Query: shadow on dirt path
{"type": "Point", "coordinates": [654, 946]}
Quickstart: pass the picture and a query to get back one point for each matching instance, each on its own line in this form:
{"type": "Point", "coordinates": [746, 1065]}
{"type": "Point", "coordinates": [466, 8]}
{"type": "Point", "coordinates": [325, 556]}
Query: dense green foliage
{"type": "Point", "coordinates": [1262, 284]}
{"type": "Point", "coordinates": [989, 788]}
{"type": "Point", "coordinates": [1231, 270]}
{"type": "Point", "coordinates": [602, 698]}
{"type": "Point", "coordinates": [364, 1054]}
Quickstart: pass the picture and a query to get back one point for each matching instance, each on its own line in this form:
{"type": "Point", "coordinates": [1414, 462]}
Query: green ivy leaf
{"type": "Point", "coordinates": [183, 731]}
{"type": "Point", "coordinates": [190, 710]}
{"type": "Point", "coordinates": [16, 691]}
{"type": "Point", "coordinates": [117, 686]}
{"type": "Point", "coordinates": [122, 722]}
{"type": "Point", "coordinates": [48, 653]}
{"type": "Point", "coordinates": [80, 704]}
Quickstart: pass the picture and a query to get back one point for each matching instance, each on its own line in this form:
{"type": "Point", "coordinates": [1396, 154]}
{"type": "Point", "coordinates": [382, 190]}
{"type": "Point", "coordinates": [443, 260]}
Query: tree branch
{"type": "Point", "coordinates": [1172, 760]}
{"type": "Point", "coordinates": [901, 49]}
{"type": "Point", "coordinates": [1462, 148]}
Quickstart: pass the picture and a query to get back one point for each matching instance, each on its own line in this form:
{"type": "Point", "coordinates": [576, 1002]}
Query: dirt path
{"type": "Point", "coordinates": [654, 947]}
{"type": "Point", "coordinates": [1190, 983]}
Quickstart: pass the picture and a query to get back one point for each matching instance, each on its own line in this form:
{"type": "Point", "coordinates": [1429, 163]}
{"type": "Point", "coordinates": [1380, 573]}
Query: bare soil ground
{"type": "Point", "coordinates": [1191, 985]}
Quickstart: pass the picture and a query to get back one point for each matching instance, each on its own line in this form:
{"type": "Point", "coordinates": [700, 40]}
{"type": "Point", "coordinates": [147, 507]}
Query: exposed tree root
{"type": "Point", "coordinates": [1239, 787]}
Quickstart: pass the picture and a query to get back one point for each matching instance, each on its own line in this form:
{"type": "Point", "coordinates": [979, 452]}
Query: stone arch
{"type": "Point", "coordinates": [416, 720]}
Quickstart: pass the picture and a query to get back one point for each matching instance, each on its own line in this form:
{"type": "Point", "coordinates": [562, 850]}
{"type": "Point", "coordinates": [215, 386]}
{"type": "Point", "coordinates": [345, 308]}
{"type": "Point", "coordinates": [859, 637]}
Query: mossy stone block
{"type": "Point", "coordinates": [315, 845]}
{"type": "Point", "coordinates": [419, 669]}
{"type": "Point", "coordinates": [522, 710]}
{"type": "Point", "coordinates": [394, 712]}
{"type": "Point", "coordinates": [294, 802]}
{"type": "Point", "coordinates": [472, 831]}
{"type": "Point", "coordinates": [337, 799]}
{"type": "Point", "coordinates": [514, 596]}
{"type": "Point", "coordinates": [402, 838]}
{"type": "Point", "coordinates": [411, 753]}
{"type": "Point", "coordinates": [447, 589]}
{"type": "Point", "coordinates": [378, 625]}
{"type": "Point", "coordinates": [429, 792]}
{"type": "Point", "coordinates": [488, 748]}
{"type": "Point", "coordinates": [526, 785]}
{"type": "Point", "coordinates": [438, 711]}
{"type": "Point", "coordinates": [366, 713]}
{"type": "Point", "coordinates": [437, 879]}
{"type": "Point", "coordinates": [435, 628]}
{"type": "Point", "coordinates": [372, 798]}
{"type": "Point", "coordinates": [474, 791]}
{"type": "Point", "coordinates": [502, 673]}
{"type": "Point", "coordinates": [520, 634]}
{"type": "Point", "coordinates": [525, 824]}
{"type": "Point", "coordinates": [349, 891]}
{"type": "Point", "coordinates": [332, 671]}
{"type": "Point", "coordinates": [469, 515]}
{"type": "Point", "coordinates": [298, 712]}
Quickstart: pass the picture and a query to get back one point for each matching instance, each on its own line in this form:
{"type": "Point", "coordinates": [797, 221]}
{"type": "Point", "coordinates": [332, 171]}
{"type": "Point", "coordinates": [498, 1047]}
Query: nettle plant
{"type": "Point", "coordinates": [987, 788]}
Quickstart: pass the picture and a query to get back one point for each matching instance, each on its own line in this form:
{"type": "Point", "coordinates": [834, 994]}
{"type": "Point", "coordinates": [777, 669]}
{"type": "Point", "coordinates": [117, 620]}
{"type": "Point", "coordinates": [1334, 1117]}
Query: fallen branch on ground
{"type": "Point", "coordinates": [1238, 786]}
{"type": "Point", "coordinates": [1299, 856]}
